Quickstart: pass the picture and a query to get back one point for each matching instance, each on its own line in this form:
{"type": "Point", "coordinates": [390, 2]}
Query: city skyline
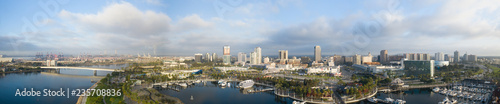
{"type": "Point", "coordinates": [403, 27]}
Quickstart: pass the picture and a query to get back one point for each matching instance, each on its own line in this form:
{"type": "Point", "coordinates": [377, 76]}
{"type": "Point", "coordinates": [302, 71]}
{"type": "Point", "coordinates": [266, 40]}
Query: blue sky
{"type": "Point", "coordinates": [204, 26]}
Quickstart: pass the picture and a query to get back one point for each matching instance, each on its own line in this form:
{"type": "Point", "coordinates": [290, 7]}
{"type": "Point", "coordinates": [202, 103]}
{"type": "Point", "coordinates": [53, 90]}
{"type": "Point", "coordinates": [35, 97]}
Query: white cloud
{"type": "Point", "coordinates": [122, 18]}
{"type": "Point", "coordinates": [192, 22]}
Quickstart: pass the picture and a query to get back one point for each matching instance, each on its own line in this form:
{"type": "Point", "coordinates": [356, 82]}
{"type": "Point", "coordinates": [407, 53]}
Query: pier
{"type": "Point", "coordinates": [261, 90]}
{"type": "Point", "coordinates": [412, 87]}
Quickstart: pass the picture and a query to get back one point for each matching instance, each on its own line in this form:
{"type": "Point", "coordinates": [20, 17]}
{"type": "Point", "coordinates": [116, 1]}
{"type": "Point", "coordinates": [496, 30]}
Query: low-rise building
{"type": "Point", "coordinates": [6, 59]}
{"type": "Point", "coordinates": [416, 68]}
{"type": "Point", "coordinates": [224, 69]}
{"type": "Point", "coordinates": [376, 68]}
{"type": "Point", "coordinates": [326, 69]}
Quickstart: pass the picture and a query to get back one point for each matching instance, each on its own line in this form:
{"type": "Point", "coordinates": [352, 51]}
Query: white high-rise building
{"type": "Point", "coordinates": [253, 58]}
{"type": "Point", "coordinates": [214, 57]}
{"type": "Point", "coordinates": [439, 56]}
{"type": "Point", "coordinates": [241, 57]}
{"type": "Point", "coordinates": [258, 54]}
{"type": "Point", "coordinates": [357, 59]}
{"type": "Point", "coordinates": [208, 57]}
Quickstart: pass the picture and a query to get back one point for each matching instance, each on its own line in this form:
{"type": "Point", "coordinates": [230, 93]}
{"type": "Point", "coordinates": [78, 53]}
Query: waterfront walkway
{"type": "Point", "coordinates": [413, 87]}
{"type": "Point", "coordinates": [366, 97]}
{"type": "Point", "coordinates": [83, 99]}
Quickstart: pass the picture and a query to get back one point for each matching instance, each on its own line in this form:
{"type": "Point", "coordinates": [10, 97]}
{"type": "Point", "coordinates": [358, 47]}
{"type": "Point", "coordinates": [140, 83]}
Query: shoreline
{"type": "Point", "coordinates": [21, 71]}
{"type": "Point", "coordinates": [83, 99]}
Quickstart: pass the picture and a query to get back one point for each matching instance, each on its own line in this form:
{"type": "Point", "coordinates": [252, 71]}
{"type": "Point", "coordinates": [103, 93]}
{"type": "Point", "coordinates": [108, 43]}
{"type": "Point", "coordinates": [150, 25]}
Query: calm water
{"type": "Point", "coordinates": [212, 94]}
{"type": "Point", "coordinates": [68, 78]}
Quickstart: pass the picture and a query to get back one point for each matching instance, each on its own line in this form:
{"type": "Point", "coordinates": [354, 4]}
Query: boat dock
{"type": "Point", "coordinates": [412, 87]}
{"type": "Point", "coordinates": [261, 90]}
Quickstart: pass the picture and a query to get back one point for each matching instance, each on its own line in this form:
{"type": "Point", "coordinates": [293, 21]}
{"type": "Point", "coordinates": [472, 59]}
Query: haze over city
{"type": "Point", "coordinates": [188, 27]}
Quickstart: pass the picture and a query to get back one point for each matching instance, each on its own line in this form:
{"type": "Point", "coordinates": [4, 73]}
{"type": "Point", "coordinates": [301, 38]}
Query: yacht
{"type": "Point", "coordinates": [183, 84]}
{"type": "Point", "coordinates": [164, 85]}
{"type": "Point", "coordinates": [389, 100]}
{"type": "Point", "coordinates": [246, 84]}
{"type": "Point", "coordinates": [223, 84]}
{"type": "Point", "coordinates": [445, 101]}
{"type": "Point", "coordinates": [298, 102]}
{"type": "Point", "coordinates": [197, 81]}
{"type": "Point", "coordinates": [436, 89]}
{"type": "Point", "coordinates": [453, 101]}
{"type": "Point", "coordinates": [399, 101]}
{"type": "Point", "coordinates": [373, 99]}
{"type": "Point", "coordinates": [220, 81]}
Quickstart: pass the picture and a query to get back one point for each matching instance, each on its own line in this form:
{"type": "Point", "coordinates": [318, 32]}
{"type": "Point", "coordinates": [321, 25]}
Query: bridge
{"type": "Point", "coordinates": [72, 76]}
{"type": "Point", "coordinates": [82, 68]}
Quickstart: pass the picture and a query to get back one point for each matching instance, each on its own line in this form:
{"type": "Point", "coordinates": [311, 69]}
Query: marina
{"type": "Point", "coordinates": [207, 92]}
{"type": "Point", "coordinates": [466, 92]}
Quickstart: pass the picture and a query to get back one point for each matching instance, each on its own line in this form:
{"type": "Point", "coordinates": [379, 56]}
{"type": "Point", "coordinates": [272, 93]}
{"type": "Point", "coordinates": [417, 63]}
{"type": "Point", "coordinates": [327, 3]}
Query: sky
{"type": "Point", "coordinates": [186, 27]}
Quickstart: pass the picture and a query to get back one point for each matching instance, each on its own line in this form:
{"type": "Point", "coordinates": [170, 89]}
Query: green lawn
{"type": "Point", "coordinates": [495, 69]}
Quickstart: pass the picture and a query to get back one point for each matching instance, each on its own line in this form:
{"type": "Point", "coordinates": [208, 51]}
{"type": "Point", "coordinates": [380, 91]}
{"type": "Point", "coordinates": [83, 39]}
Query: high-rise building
{"type": "Point", "coordinates": [253, 58]}
{"type": "Point", "coordinates": [357, 59]}
{"type": "Point", "coordinates": [317, 54]}
{"type": "Point", "coordinates": [465, 58]}
{"type": "Point", "coordinates": [426, 56]}
{"type": "Point", "coordinates": [241, 57]}
{"type": "Point", "coordinates": [338, 59]}
{"type": "Point", "coordinates": [471, 58]}
{"type": "Point", "coordinates": [446, 57]}
{"type": "Point", "coordinates": [258, 52]}
{"type": "Point", "coordinates": [456, 57]}
{"type": "Point", "coordinates": [384, 58]}
{"type": "Point", "coordinates": [208, 58]}
{"type": "Point", "coordinates": [198, 57]}
{"type": "Point", "coordinates": [227, 55]}
{"type": "Point", "coordinates": [439, 56]}
{"type": "Point", "coordinates": [283, 54]}
{"type": "Point", "coordinates": [214, 57]}
{"type": "Point", "coordinates": [417, 56]}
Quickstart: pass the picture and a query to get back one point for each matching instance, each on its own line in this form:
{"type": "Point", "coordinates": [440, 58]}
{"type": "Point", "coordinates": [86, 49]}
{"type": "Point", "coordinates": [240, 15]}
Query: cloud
{"type": "Point", "coordinates": [123, 26]}
{"type": "Point", "coordinates": [192, 22]}
{"type": "Point", "coordinates": [118, 17]}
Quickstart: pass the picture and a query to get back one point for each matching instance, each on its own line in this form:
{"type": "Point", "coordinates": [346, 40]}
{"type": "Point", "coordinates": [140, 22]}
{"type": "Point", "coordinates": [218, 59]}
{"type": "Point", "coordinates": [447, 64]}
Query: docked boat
{"type": "Point", "coordinates": [436, 89]}
{"type": "Point", "coordinates": [183, 84]}
{"type": "Point", "coordinates": [399, 101]}
{"type": "Point", "coordinates": [298, 102]}
{"type": "Point", "coordinates": [373, 100]}
{"type": "Point", "coordinates": [164, 85]}
{"type": "Point", "coordinates": [223, 84]}
{"type": "Point", "coordinates": [445, 101]}
{"type": "Point", "coordinates": [246, 84]}
{"type": "Point", "coordinates": [197, 81]}
{"type": "Point", "coordinates": [389, 100]}
{"type": "Point", "coordinates": [220, 81]}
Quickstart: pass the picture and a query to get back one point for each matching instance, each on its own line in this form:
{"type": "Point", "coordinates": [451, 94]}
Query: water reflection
{"type": "Point", "coordinates": [211, 93]}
